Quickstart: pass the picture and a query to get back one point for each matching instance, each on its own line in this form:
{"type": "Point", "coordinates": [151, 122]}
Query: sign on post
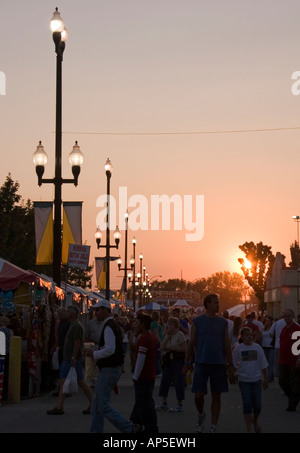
{"type": "Point", "coordinates": [79, 256]}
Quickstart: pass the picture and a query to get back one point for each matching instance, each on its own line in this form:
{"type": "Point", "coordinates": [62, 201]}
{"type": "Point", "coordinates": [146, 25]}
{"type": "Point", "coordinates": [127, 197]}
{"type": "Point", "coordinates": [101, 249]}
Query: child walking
{"type": "Point", "coordinates": [251, 364]}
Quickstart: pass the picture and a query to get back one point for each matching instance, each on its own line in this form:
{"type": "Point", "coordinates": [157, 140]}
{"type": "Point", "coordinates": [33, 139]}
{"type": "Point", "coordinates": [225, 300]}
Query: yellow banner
{"type": "Point", "coordinates": [100, 272]}
{"type": "Point", "coordinates": [43, 219]}
{"type": "Point", "coordinates": [72, 230]}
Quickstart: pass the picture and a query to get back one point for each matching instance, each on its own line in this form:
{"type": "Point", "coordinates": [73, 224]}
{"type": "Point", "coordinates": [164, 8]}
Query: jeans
{"type": "Point", "coordinates": [101, 407]}
{"type": "Point", "coordinates": [269, 353]}
{"type": "Point", "coordinates": [144, 412]}
{"type": "Point", "coordinates": [251, 396]}
{"type": "Point", "coordinates": [172, 373]}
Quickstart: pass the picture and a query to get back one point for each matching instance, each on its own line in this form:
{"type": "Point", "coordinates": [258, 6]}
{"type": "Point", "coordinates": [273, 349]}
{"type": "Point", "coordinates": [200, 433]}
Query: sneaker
{"type": "Point", "coordinates": [162, 407]}
{"type": "Point", "coordinates": [257, 428]}
{"type": "Point", "coordinates": [200, 424]}
{"type": "Point", "coordinates": [213, 429]}
{"type": "Point", "coordinates": [176, 409]}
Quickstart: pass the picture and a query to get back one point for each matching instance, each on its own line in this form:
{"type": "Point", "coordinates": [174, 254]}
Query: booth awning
{"type": "Point", "coordinates": [11, 275]}
{"type": "Point", "coordinates": [153, 306]}
{"type": "Point", "coordinates": [181, 303]}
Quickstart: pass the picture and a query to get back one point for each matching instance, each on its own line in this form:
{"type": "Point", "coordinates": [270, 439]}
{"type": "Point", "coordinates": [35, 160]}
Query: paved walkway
{"type": "Point", "coordinates": [29, 416]}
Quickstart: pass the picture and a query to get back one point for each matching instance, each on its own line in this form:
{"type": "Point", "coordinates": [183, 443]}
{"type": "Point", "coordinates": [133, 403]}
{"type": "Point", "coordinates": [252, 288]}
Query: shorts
{"type": "Point", "coordinates": [65, 368]}
{"type": "Point", "coordinates": [217, 375]}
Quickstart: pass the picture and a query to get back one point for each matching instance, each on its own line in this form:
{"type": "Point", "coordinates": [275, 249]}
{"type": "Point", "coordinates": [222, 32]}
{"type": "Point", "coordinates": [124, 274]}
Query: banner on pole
{"type": "Point", "coordinates": [72, 227]}
{"type": "Point", "coordinates": [100, 264]}
{"type": "Point", "coordinates": [43, 221]}
{"type": "Point", "coordinates": [100, 272]}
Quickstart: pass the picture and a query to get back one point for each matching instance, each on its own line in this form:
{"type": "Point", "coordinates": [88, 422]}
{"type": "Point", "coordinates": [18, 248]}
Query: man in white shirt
{"type": "Point", "coordinates": [109, 359]}
{"type": "Point", "coordinates": [275, 331]}
{"type": "Point", "coordinates": [92, 334]}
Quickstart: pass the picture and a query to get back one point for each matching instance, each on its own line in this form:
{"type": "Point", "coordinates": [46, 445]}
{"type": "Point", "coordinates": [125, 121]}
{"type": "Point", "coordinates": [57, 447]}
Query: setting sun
{"type": "Point", "coordinates": [247, 264]}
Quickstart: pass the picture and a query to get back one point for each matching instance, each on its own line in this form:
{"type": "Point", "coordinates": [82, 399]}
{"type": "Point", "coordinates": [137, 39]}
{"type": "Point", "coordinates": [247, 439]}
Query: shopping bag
{"type": "Point", "coordinates": [70, 384]}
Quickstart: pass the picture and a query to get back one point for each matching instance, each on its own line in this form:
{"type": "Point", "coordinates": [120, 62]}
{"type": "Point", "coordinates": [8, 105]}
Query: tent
{"type": "Point", "coordinates": [181, 303]}
{"type": "Point", "coordinates": [11, 276]}
{"type": "Point", "coordinates": [153, 306]}
{"type": "Point", "coordinates": [98, 296]}
{"type": "Point", "coordinates": [237, 310]}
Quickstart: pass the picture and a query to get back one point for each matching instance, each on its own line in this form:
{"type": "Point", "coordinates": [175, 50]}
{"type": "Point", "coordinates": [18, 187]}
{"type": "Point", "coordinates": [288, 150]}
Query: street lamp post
{"type": "Point", "coordinates": [117, 234]}
{"type": "Point", "coordinates": [133, 277]}
{"type": "Point", "coordinates": [125, 268]}
{"type": "Point", "coordinates": [154, 277]}
{"type": "Point", "coordinates": [141, 278]}
{"type": "Point", "coordinates": [297, 219]}
{"type": "Point", "coordinates": [59, 34]}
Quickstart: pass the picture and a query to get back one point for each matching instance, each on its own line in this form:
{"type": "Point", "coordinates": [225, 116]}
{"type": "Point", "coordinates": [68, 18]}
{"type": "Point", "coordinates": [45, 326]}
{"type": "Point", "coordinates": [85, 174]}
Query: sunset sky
{"type": "Point", "coordinates": [152, 84]}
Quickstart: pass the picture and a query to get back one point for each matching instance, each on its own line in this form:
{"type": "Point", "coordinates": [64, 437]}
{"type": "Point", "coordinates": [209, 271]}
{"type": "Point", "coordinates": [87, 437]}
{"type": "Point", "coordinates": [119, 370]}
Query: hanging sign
{"type": "Point", "coordinates": [79, 256]}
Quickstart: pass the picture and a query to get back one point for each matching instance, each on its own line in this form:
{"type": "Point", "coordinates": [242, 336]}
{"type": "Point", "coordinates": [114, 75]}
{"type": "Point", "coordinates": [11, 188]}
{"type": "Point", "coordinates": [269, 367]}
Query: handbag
{"type": "Point", "coordinates": [71, 384]}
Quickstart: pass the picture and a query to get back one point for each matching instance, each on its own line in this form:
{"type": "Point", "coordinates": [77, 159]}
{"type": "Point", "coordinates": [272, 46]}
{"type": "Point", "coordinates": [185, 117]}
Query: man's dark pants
{"type": "Point", "coordinates": [289, 381]}
{"type": "Point", "coordinates": [144, 412]}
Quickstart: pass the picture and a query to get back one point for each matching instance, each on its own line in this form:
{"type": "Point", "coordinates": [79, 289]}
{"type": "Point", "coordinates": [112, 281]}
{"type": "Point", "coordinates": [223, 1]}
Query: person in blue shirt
{"type": "Point", "coordinates": [209, 341]}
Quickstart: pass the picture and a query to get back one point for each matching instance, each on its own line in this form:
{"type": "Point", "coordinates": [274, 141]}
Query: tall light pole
{"type": "Point", "coordinates": [154, 277]}
{"type": "Point", "coordinates": [60, 35]}
{"type": "Point", "coordinates": [125, 268]}
{"type": "Point", "coordinates": [117, 235]}
{"type": "Point", "coordinates": [141, 278]}
{"type": "Point", "coordinates": [133, 277]}
{"type": "Point", "coordinates": [297, 219]}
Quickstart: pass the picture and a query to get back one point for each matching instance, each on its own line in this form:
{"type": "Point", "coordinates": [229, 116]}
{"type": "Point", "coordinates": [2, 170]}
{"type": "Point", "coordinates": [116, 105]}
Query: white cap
{"type": "Point", "coordinates": [102, 303]}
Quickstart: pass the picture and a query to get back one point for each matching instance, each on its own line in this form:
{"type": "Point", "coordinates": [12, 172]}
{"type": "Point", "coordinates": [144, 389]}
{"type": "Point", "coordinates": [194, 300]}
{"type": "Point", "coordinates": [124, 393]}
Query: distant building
{"type": "Point", "coordinates": [168, 298]}
{"type": "Point", "coordinates": [282, 288]}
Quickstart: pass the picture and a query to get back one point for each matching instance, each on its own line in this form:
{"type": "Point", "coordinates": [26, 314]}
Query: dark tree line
{"type": "Point", "coordinates": [231, 288]}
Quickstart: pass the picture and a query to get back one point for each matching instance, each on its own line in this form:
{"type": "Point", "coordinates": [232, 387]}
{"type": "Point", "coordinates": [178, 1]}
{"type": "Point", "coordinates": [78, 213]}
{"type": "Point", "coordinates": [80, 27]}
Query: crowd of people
{"type": "Point", "coordinates": [171, 345]}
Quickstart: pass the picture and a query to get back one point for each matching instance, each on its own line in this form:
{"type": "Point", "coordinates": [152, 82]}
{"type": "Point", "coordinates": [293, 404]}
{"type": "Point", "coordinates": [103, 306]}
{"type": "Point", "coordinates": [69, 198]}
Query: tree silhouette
{"type": "Point", "coordinates": [230, 287]}
{"type": "Point", "coordinates": [78, 277]}
{"type": "Point", "coordinates": [295, 255]}
{"type": "Point", "coordinates": [261, 260]}
{"type": "Point", "coordinates": [17, 239]}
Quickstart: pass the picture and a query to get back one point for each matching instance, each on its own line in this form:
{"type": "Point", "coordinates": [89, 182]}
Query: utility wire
{"type": "Point", "coordinates": [238, 131]}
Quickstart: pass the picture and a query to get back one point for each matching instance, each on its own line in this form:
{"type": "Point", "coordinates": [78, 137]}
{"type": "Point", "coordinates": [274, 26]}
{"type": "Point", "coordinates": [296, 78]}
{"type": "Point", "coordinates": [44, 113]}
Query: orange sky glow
{"type": "Point", "coordinates": [186, 98]}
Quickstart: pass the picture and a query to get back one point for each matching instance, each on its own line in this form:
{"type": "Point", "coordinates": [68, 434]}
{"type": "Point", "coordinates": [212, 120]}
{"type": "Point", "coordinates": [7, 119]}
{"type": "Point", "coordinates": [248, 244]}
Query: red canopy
{"type": "Point", "coordinates": [11, 276]}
